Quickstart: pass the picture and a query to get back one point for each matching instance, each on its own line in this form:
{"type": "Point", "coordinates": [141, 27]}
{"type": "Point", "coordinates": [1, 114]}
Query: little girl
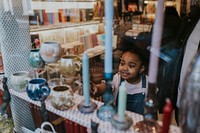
{"type": "Point", "coordinates": [131, 71]}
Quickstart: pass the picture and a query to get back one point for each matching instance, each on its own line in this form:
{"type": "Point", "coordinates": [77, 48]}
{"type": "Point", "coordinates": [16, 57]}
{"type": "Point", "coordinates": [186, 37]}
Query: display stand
{"type": "Point", "coordinates": [74, 115]}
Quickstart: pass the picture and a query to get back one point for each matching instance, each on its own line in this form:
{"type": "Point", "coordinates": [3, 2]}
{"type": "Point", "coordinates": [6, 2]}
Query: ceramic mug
{"type": "Point", "coordinates": [19, 80]}
{"type": "Point", "coordinates": [38, 89]}
{"type": "Point", "coordinates": [70, 65]}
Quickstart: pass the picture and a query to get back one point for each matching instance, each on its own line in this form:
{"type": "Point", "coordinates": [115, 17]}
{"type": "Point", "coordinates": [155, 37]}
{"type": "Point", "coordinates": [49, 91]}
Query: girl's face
{"type": "Point", "coordinates": [130, 67]}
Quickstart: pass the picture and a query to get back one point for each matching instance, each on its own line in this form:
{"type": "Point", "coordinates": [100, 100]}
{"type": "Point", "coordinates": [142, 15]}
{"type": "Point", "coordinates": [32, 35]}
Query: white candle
{"type": "Point", "coordinates": [156, 41]}
{"type": "Point", "coordinates": [108, 36]}
{"type": "Point", "coordinates": [85, 77]}
{"type": "Point", "coordinates": [122, 100]}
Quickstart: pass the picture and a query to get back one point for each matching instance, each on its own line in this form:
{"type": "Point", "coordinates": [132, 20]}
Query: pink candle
{"type": "Point", "coordinates": [156, 41]}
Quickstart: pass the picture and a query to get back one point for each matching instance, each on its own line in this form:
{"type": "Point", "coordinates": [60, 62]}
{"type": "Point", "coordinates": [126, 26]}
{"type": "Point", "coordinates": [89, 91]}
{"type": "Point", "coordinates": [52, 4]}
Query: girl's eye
{"type": "Point", "coordinates": [122, 63]}
{"type": "Point", "coordinates": [131, 66]}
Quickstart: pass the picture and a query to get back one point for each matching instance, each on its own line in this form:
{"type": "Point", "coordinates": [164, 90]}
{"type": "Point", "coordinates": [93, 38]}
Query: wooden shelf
{"type": "Point", "coordinates": [55, 5]}
{"type": "Point", "coordinates": [60, 26]}
{"type": "Point", "coordinates": [66, 0]}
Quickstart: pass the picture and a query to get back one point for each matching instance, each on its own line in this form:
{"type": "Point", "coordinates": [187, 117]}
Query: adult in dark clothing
{"type": "Point", "coordinates": [168, 54]}
{"type": "Point", "coordinates": [171, 27]}
{"type": "Point", "coordinates": [170, 69]}
{"type": "Point", "coordinates": [186, 39]}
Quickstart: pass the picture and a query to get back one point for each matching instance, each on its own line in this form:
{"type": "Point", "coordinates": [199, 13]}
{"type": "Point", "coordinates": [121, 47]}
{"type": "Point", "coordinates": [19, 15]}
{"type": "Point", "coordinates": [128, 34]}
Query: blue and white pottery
{"type": "Point", "coordinates": [38, 89]}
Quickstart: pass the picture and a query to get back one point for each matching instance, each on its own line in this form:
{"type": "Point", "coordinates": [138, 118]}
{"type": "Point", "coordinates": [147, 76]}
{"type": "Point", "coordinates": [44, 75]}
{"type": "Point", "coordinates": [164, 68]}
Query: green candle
{"type": "Point", "coordinates": [122, 100]}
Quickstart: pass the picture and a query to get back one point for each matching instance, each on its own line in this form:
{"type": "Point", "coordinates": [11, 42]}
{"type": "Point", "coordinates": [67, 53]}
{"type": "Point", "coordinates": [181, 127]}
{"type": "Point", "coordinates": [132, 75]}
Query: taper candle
{"type": "Point", "coordinates": [122, 6]}
{"type": "Point", "coordinates": [167, 115]}
{"type": "Point", "coordinates": [108, 35]}
{"type": "Point", "coordinates": [156, 41]}
{"type": "Point", "coordinates": [85, 76]}
{"type": "Point", "coordinates": [122, 100]}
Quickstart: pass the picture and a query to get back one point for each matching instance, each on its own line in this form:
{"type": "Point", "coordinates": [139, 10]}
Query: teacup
{"type": "Point", "coordinates": [19, 80]}
{"type": "Point", "coordinates": [62, 97]}
{"type": "Point", "coordinates": [38, 89]}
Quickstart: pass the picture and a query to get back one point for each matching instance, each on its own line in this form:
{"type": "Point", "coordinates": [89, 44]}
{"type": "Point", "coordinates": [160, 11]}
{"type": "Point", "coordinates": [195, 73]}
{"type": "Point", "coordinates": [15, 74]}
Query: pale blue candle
{"type": "Point", "coordinates": [108, 35]}
{"type": "Point", "coordinates": [122, 100]}
{"type": "Point", "coordinates": [85, 76]}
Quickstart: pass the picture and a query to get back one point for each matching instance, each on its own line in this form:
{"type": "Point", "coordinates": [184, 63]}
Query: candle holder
{"type": "Point", "coordinates": [107, 111]}
{"type": "Point", "coordinates": [149, 124]}
{"type": "Point", "coordinates": [86, 109]}
{"type": "Point", "coordinates": [121, 123]}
